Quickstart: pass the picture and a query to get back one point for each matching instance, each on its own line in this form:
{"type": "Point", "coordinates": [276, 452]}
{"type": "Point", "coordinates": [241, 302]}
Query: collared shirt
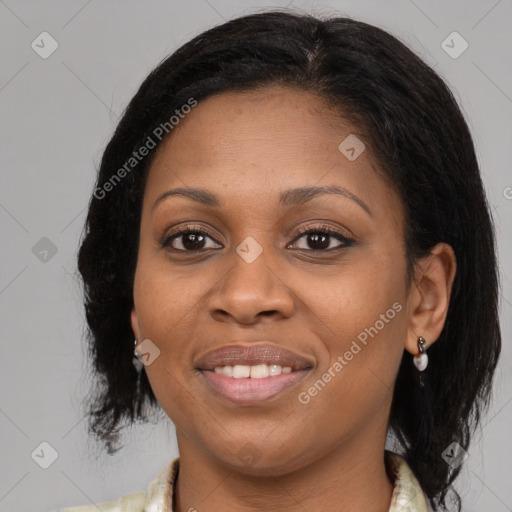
{"type": "Point", "coordinates": [157, 497]}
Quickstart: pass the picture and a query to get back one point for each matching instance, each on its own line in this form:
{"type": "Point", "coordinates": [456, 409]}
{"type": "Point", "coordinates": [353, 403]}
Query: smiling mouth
{"type": "Point", "coordinates": [251, 374]}
{"type": "Point", "coordinates": [249, 390]}
{"type": "Point", "coordinates": [258, 371]}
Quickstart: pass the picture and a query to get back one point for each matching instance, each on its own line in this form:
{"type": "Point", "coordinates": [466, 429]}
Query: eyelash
{"type": "Point", "coordinates": [323, 229]}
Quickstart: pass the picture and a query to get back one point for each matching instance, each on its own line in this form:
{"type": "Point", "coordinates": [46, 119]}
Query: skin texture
{"type": "Point", "coordinates": [327, 454]}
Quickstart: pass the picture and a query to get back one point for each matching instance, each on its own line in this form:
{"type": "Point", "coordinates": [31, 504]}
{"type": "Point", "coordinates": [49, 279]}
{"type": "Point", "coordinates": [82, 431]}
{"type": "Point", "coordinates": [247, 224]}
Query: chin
{"type": "Point", "coordinates": [252, 460]}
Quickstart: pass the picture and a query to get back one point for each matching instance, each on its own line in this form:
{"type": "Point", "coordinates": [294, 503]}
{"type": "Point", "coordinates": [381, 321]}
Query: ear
{"type": "Point", "coordinates": [429, 296]}
{"type": "Point", "coordinates": [135, 323]}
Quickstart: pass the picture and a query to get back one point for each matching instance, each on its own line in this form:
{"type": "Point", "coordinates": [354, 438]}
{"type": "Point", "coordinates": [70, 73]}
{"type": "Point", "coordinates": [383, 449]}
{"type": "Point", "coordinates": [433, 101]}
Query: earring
{"type": "Point", "coordinates": [421, 360]}
{"type": "Point", "coordinates": [137, 360]}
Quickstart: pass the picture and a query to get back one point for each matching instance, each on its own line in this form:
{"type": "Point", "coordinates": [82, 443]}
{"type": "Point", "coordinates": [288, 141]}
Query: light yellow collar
{"type": "Point", "coordinates": [407, 493]}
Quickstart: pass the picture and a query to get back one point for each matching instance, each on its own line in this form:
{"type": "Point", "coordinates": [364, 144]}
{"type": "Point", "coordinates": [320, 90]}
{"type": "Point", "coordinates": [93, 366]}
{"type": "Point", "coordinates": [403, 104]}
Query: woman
{"type": "Point", "coordinates": [290, 222]}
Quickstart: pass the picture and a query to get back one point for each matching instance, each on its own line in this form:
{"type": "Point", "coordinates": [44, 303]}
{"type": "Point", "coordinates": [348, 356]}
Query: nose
{"type": "Point", "coordinates": [249, 292]}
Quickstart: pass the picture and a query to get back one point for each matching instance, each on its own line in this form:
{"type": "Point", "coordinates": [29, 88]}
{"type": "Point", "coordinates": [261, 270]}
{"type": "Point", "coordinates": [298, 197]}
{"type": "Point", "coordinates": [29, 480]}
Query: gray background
{"type": "Point", "coordinates": [56, 117]}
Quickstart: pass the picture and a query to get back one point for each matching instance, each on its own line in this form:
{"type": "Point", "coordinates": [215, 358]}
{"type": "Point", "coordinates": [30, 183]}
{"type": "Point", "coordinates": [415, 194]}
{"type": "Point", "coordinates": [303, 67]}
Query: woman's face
{"type": "Point", "coordinates": [250, 278]}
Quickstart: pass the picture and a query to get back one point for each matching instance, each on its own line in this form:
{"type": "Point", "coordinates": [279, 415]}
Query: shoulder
{"type": "Point", "coordinates": [133, 502]}
{"type": "Point", "coordinates": [157, 496]}
{"type": "Point", "coordinates": [408, 495]}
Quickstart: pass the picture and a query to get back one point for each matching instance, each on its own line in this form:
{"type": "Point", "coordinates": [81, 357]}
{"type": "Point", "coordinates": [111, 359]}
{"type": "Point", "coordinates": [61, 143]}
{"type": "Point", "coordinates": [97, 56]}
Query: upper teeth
{"type": "Point", "coordinates": [259, 371]}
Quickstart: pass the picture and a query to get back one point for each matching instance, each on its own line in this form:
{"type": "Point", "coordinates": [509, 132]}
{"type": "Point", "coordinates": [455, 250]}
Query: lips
{"type": "Point", "coordinates": [252, 390]}
{"type": "Point", "coordinates": [252, 355]}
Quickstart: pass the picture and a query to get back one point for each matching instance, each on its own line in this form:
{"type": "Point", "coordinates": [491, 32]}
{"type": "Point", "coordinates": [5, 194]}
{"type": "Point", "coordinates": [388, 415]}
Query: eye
{"type": "Point", "coordinates": [194, 238]}
{"type": "Point", "coordinates": [318, 239]}
{"type": "Point", "coordinates": [188, 239]}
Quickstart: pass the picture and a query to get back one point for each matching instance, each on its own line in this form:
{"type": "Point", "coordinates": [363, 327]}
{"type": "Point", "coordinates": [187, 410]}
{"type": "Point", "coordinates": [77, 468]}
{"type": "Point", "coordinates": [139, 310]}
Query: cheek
{"type": "Point", "coordinates": [164, 298]}
{"type": "Point", "coordinates": [353, 389]}
{"type": "Point", "coordinates": [351, 300]}
{"type": "Point", "coordinates": [170, 303]}
{"type": "Point", "coordinates": [166, 306]}
{"type": "Point", "coordinates": [362, 321]}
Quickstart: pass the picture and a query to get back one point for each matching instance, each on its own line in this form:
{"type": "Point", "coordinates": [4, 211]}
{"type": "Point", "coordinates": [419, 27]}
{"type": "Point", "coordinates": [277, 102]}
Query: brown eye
{"type": "Point", "coordinates": [316, 239]}
{"type": "Point", "coordinates": [319, 239]}
{"type": "Point", "coordinates": [188, 239]}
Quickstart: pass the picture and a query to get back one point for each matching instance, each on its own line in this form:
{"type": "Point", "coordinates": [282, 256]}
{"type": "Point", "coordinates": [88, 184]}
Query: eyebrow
{"type": "Point", "coordinates": [291, 197]}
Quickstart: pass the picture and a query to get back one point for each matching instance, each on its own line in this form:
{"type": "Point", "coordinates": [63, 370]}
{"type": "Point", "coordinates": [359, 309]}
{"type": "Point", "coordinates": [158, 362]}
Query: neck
{"type": "Point", "coordinates": [349, 479]}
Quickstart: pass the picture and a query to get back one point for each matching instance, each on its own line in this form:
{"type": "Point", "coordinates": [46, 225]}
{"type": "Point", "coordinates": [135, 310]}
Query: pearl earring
{"type": "Point", "coordinates": [137, 359]}
{"type": "Point", "coordinates": [421, 360]}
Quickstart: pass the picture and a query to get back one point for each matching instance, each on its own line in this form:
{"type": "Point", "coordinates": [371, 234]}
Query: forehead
{"type": "Point", "coordinates": [260, 143]}
{"type": "Point", "coordinates": [261, 124]}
